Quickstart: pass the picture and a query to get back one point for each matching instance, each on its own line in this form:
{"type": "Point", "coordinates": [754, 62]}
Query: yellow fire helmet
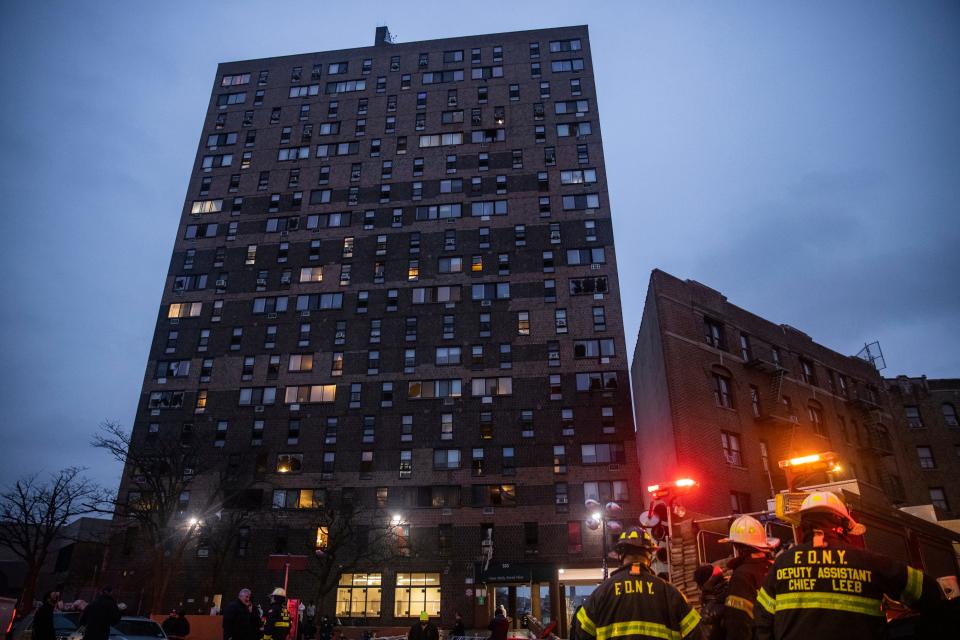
{"type": "Point", "coordinates": [748, 530]}
{"type": "Point", "coordinates": [424, 616]}
{"type": "Point", "coordinates": [279, 592]}
{"type": "Point", "coordinates": [635, 538]}
{"type": "Point", "coordinates": [829, 502]}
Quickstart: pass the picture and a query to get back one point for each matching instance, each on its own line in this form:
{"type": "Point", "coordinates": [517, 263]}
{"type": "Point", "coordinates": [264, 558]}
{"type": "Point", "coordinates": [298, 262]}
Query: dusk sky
{"type": "Point", "coordinates": [803, 158]}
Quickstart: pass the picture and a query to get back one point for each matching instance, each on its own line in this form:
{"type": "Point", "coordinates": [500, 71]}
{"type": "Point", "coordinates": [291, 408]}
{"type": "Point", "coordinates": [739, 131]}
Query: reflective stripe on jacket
{"type": "Point", "coordinates": [835, 592]}
{"type": "Point", "coordinates": [634, 603]}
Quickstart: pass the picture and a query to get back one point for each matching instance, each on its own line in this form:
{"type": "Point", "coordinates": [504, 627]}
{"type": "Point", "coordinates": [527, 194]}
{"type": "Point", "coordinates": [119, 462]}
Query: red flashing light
{"type": "Point", "coordinates": [685, 482]}
{"type": "Point", "coordinates": [653, 488]}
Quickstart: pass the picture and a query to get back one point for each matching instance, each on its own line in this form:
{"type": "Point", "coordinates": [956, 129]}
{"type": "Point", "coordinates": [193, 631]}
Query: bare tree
{"type": "Point", "coordinates": [172, 488]}
{"type": "Point", "coordinates": [33, 514]}
{"type": "Point", "coordinates": [350, 537]}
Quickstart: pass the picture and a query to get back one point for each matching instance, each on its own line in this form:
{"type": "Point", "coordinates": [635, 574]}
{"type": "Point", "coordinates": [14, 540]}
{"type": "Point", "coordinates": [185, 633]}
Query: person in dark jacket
{"type": "Point", "coordinates": [176, 626]}
{"type": "Point", "coordinates": [753, 559]}
{"type": "Point", "coordinates": [43, 628]}
{"type": "Point", "coordinates": [827, 589]}
{"type": "Point", "coordinates": [499, 624]}
{"type": "Point", "coordinates": [276, 622]}
{"type": "Point", "coordinates": [100, 615]}
{"type": "Point", "coordinates": [423, 629]}
{"type": "Point", "coordinates": [713, 592]}
{"type": "Point", "coordinates": [634, 602]}
{"type": "Point", "coordinates": [326, 628]}
{"type": "Point", "coordinates": [240, 620]}
{"type": "Point", "coordinates": [458, 630]}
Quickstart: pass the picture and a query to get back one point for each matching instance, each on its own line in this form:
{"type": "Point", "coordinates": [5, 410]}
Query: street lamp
{"type": "Point", "coordinates": [604, 517]}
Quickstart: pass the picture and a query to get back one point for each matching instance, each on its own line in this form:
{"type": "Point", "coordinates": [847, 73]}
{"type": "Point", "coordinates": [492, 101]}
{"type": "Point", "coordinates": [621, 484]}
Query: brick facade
{"type": "Point", "coordinates": [312, 166]}
{"type": "Point", "coordinates": [694, 384]}
{"type": "Point", "coordinates": [927, 418]}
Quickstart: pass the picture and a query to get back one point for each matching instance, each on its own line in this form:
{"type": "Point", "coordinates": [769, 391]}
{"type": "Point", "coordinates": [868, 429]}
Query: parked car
{"type": "Point", "coordinates": [64, 625]}
{"type": "Point", "coordinates": [129, 628]}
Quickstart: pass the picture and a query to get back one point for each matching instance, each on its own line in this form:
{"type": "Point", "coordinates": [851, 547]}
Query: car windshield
{"type": "Point", "coordinates": [62, 622]}
{"type": "Point", "coordinates": [147, 628]}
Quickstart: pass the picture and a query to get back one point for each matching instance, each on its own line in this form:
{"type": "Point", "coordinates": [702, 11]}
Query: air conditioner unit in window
{"type": "Point", "coordinates": [485, 303]}
{"type": "Point", "coordinates": [614, 467]}
{"type": "Point", "coordinates": [258, 408]}
{"type": "Point", "coordinates": [447, 512]}
{"type": "Point", "coordinates": [284, 233]}
{"type": "Point", "coordinates": [596, 267]}
{"type": "Point", "coordinates": [221, 284]}
{"type": "Point", "coordinates": [174, 320]}
{"type": "Point", "coordinates": [261, 282]}
{"type": "Point", "coordinates": [562, 499]}
{"type": "Point", "coordinates": [271, 316]}
{"type": "Point", "coordinates": [304, 314]}
{"type": "Point", "coordinates": [488, 511]}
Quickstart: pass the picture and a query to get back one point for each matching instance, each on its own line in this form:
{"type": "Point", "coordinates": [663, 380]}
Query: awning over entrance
{"type": "Point", "coordinates": [592, 575]}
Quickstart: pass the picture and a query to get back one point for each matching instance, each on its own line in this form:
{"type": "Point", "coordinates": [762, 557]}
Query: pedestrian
{"type": "Point", "coordinates": [326, 628]}
{"type": "Point", "coordinates": [713, 592]}
{"type": "Point", "coordinates": [100, 615]}
{"type": "Point", "coordinates": [176, 625]}
{"type": "Point", "coordinates": [753, 552]}
{"type": "Point", "coordinates": [311, 610]}
{"type": "Point", "coordinates": [43, 628]}
{"type": "Point", "coordinates": [499, 624]}
{"type": "Point", "coordinates": [240, 620]}
{"type": "Point", "coordinates": [276, 622]}
{"type": "Point", "coordinates": [635, 602]}
{"type": "Point", "coordinates": [458, 630]}
{"type": "Point", "coordinates": [423, 629]}
{"type": "Point", "coordinates": [826, 588]}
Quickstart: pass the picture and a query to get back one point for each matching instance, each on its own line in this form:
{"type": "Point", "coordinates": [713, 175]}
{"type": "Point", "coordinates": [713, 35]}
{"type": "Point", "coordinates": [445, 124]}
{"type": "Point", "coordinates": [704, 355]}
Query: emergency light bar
{"type": "Point", "coordinates": [826, 457]}
{"type": "Point", "coordinates": [682, 483]}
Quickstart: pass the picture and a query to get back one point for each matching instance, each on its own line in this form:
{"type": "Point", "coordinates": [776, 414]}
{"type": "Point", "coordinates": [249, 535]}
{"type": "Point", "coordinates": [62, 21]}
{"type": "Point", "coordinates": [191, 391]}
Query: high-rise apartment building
{"type": "Point", "coordinates": [394, 292]}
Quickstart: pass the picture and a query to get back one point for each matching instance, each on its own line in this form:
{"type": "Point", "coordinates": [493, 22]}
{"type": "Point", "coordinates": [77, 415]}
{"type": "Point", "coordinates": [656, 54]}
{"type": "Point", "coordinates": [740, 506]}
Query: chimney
{"type": "Point", "coordinates": [382, 37]}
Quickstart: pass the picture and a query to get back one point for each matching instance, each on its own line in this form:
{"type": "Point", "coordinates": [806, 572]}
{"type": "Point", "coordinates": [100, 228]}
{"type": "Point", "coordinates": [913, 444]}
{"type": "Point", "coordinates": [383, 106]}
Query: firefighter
{"type": "Point", "coordinates": [826, 588]}
{"type": "Point", "coordinates": [752, 559]}
{"type": "Point", "coordinates": [635, 602]}
{"type": "Point", "coordinates": [276, 623]}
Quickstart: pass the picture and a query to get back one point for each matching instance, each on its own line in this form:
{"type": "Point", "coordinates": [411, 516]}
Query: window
{"type": "Point", "coordinates": [593, 256]}
{"type": "Point", "coordinates": [604, 453]}
{"type": "Point", "coordinates": [755, 401]}
{"type": "Point", "coordinates": [486, 387]}
{"type": "Point", "coordinates": [938, 497]}
{"type": "Point", "coordinates": [739, 502]}
{"type": "Point", "coordinates": [560, 321]}
{"type": "Point", "coordinates": [417, 592]}
{"type": "Point", "coordinates": [815, 414]}
{"type": "Point", "coordinates": [358, 595]}
{"type": "Point", "coordinates": [949, 414]}
{"type": "Point", "coordinates": [446, 459]}
{"type": "Point", "coordinates": [606, 491]}
{"type": "Point", "coordinates": [731, 448]}
{"type": "Point", "coordinates": [306, 394]}
{"type": "Point", "coordinates": [807, 373]}
{"type": "Point", "coordinates": [714, 334]}
{"type": "Point", "coordinates": [289, 462]}
{"type": "Point", "coordinates": [597, 381]}
{"type": "Point", "coordinates": [573, 129]}
{"type": "Point", "coordinates": [914, 420]}
{"type": "Point", "coordinates": [925, 454]}
{"type": "Point", "coordinates": [561, 496]}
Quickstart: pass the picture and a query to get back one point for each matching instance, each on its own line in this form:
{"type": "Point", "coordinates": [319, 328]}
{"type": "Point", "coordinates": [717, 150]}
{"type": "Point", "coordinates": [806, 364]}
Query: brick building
{"type": "Point", "coordinates": [928, 426]}
{"type": "Point", "coordinates": [721, 395]}
{"type": "Point", "coordinates": [394, 286]}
